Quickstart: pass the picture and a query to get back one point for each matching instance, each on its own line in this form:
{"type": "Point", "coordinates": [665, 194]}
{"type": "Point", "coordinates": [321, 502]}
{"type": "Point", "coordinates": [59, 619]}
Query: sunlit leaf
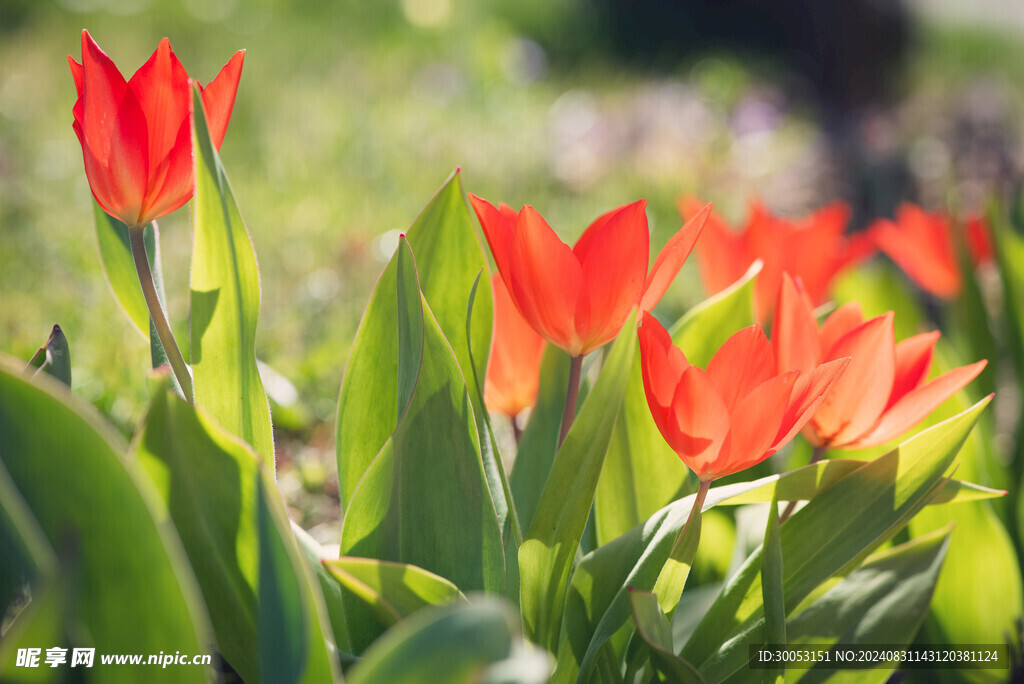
{"type": "Point", "coordinates": [98, 512]}
{"type": "Point", "coordinates": [834, 530]}
{"type": "Point", "coordinates": [655, 630]}
{"type": "Point", "coordinates": [392, 590]}
{"type": "Point", "coordinates": [210, 483]}
{"type": "Point", "coordinates": [424, 499]}
{"type": "Point", "coordinates": [461, 644]}
{"type": "Point", "coordinates": [546, 556]}
{"type": "Point", "coordinates": [225, 303]}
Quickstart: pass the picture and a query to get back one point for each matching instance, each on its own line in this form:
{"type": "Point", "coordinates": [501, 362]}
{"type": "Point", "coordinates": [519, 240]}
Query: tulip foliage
{"type": "Point", "coordinates": [588, 559]}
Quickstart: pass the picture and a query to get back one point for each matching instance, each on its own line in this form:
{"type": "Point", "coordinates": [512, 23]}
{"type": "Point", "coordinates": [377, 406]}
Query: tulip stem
{"type": "Point", "coordinates": [156, 311]}
{"type": "Point", "coordinates": [569, 414]}
{"type": "Point", "coordinates": [517, 431]}
{"type": "Point", "coordinates": [816, 455]}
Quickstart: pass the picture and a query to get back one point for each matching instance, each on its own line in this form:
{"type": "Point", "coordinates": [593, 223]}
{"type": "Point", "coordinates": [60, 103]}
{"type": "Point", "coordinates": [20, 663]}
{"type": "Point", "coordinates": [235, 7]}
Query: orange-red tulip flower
{"type": "Point", "coordinates": [578, 298]}
{"type": "Point", "coordinates": [921, 243]}
{"type": "Point", "coordinates": [737, 412]}
{"type": "Point", "coordinates": [883, 393]}
{"type": "Point", "coordinates": [513, 374]}
{"type": "Point", "coordinates": [814, 248]}
{"type": "Point", "coordinates": [136, 136]}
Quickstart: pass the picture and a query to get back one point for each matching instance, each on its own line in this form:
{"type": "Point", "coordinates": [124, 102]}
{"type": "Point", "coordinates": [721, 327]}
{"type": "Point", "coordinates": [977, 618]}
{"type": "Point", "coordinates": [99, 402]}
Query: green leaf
{"type": "Point", "coordinates": [27, 553]}
{"type": "Point", "coordinates": [884, 601]}
{"type": "Point", "coordinates": [494, 470]}
{"type": "Point", "coordinates": [98, 511]}
{"type": "Point", "coordinates": [449, 257]}
{"type": "Point", "coordinates": [462, 643]}
{"type": "Point", "coordinates": [315, 556]}
{"type": "Point", "coordinates": [392, 591]}
{"type": "Point", "coordinates": [539, 441]}
{"type": "Point", "coordinates": [772, 588]}
{"type": "Point", "coordinates": [708, 325]}
{"type": "Point", "coordinates": [545, 558]}
{"type": "Point", "coordinates": [653, 627]}
{"type": "Point", "coordinates": [597, 604]}
{"type": "Point", "coordinates": [54, 357]}
{"type": "Point", "coordinates": [40, 625]}
{"type": "Point", "coordinates": [834, 530]}
{"type": "Point", "coordinates": [123, 279]}
{"type": "Point", "coordinates": [424, 499]}
{"type": "Point", "coordinates": [210, 482]}
{"type": "Point", "coordinates": [225, 303]}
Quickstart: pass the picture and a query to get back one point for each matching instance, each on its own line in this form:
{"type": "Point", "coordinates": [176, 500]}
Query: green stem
{"type": "Point", "coordinates": [816, 455]}
{"type": "Point", "coordinates": [569, 414]}
{"type": "Point", "coordinates": [672, 578]}
{"type": "Point", "coordinates": [517, 431]}
{"type": "Point", "coordinates": [156, 311]}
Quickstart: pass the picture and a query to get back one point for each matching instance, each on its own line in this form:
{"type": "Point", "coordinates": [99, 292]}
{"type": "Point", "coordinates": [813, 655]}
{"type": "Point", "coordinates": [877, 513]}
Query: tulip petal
{"type": "Point", "coordinates": [754, 424]}
{"type": "Point", "coordinates": [858, 398]}
{"type": "Point", "coordinates": [115, 134]}
{"type": "Point", "coordinates": [662, 363]}
{"type": "Point", "coordinates": [915, 406]}
{"type": "Point", "coordinates": [219, 97]}
{"type": "Point", "coordinates": [913, 361]}
{"type": "Point", "coordinates": [499, 224]}
{"type": "Point", "coordinates": [795, 330]}
{"type": "Point", "coordinates": [172, 184]}
{"type": "Point", "coordinates": [513, 372]}
{"type": "Point", "coordinates": [839, 323]}
{"type": "Point", "coordinates": [544, 279]}
{"type": "Point", "coordinates": [723, 255]}
{"type": "Point", "coordinates": [742, 363]}
{"type": "Point", "coordinates": [79, 77]}
{"type": "Point", "coordinates": [612, 254]}
{"type": "Point", "coordinates": [161, 87]}
{"type": "Point", "coordinates": [671, 258]}
{"type": "Point", "coordinates": [921, 245]}
{"type": "Point", "coordinates": [808, 393]}
{"type": "Point", "coordinates": [701, 424]}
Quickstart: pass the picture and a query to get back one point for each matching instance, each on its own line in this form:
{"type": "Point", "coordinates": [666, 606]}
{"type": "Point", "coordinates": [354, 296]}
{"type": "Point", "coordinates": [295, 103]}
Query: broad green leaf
{"type": "Point", "coordinates": [708, 325]}
{"type": "Point", "coordinates": [315, 556]}
{"type": "Point", "coordinates": [653, 627]}
{"type": "Point", "coordinates": [598, 605]}
{"type": "Point", "coordinates": [99, 512]}
{"type": "Point", "coordinates": [833, 531]}
{"type": "Point", "coordinates": [27, 553]}
{"type": "Point", "coordinates": [979, 596]}
{"type": "Point", "coordinates": [462, 643]}
{"type": "Point", "coordinates": [884, 601]}
{"type": "Point", "coordinates": [210, 482]}
{"type": "Point", "coordinates": [672, 578]}
{"type": "Point", "coordinates": [771, 587]}
{"type": "Point", "coordinates": [392, 590]}
{"type": "Point", "coordinates": [39, 625]}
{"type": "Point", "coordinates": [225, 303]}
{"type": "Point", "coordinates": [546, 556]}
{"type": "Point", "coordinates": [54, 357]}
{"type": "Point", "coordinates": [291, 617]}
{"type": "Point", "coordinates": [449, 258]}
{"type": "Point", "coordinates": [123, 279]}
{"type": "Point", "coordinates": [494, 470]}
{"type": "Point", "coordinates": [539, 442]}
{"type": "Point", "coordinates": [424, 500]}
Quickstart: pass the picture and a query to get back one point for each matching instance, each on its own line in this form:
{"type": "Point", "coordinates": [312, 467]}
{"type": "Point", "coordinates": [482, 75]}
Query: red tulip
{"type": "Point", "coordinates": [883, 393]}
{"type": "Point", "coordinates": [921, 243]}
{"type": "Point", "coordinates": [136, 136]}
{"type": "Point", "coordinates": [737, 412]}
{"type": "Point", "coordinates": [578, 298]}
{"type": "Point", "coordinates": [513, 374]}
{"type": "Point", "coordinates": [813, 248]}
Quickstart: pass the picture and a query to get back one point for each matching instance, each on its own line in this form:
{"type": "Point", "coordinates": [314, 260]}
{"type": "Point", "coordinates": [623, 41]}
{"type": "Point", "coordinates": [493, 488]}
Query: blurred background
{"type": "Point", "coordinates": [351, 114]}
